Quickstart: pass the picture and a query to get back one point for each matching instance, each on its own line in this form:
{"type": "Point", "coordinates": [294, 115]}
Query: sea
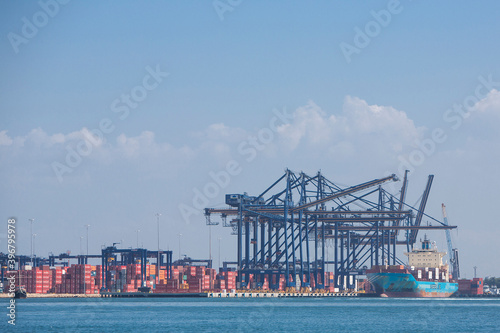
{"type": "Point", "coordinates": [349, 314]}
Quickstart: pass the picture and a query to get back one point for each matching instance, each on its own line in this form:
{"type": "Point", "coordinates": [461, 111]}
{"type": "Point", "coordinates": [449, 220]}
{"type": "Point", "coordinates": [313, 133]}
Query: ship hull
{"type": "Point", "coordinates": [405, 285]}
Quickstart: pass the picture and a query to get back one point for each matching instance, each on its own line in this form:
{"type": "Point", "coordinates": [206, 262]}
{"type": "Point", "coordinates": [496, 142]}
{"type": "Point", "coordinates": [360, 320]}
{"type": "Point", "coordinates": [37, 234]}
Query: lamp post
{"type": "Point", "coordinates": [219, 250]}
{"type": "Point", "coordinates": [31, 240]}
{"type": "Point", "coordinates": [85, 259]}
{"type": "Point", "coordinates": [179, 245]}
{"type": "Point", "coordinates": [34, 237]}
{"type": "Point", "coordinates": [210, 245]}
{"type": "Point", "coordinates": [87, 226]}
{"type": "Point", "coordinates": [158, 260]}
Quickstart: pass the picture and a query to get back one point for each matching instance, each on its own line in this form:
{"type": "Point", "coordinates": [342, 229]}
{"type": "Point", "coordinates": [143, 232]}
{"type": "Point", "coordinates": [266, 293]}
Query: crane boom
{"type": "Point", "coordinates": [448, 235]}
{"type": "Point", "coordinates": [420, 214]}
{"type": "Point", "coordinates": [345, 192]}
{"type": "Point", "coordinates": [402, 198]}
{"type": "Point", "coordinates": [452, 253]}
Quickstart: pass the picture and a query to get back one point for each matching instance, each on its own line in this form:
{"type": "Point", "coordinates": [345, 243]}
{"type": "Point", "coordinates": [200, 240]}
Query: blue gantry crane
{"type": "Point", "coordinates": [283, 231]}
{"type": "Point", "coordinates": [110, 254]}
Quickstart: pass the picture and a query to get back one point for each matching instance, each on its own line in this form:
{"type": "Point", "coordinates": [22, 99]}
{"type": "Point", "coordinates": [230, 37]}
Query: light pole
{"type": "Point", "coordinates": [138, 237]}
{"type": "Point", "coordinates": [210, 245]}
{"type": "Point", "coordinates": [85, 259]}
{"type": "Point", "coordinates": [158, 260]}
{"type": "Point", "coordinates": [219, 251]}
{"type": "Point", "coordinates": [179, 245]}
{"type": "Point", "coordinates": [87, 226]}
{"type": "Point", "coordinates": [31, 240]}
{"type": "Point", "coordinates": [34, 237]}
{"type": "Point", "coordinates": [210, 252]}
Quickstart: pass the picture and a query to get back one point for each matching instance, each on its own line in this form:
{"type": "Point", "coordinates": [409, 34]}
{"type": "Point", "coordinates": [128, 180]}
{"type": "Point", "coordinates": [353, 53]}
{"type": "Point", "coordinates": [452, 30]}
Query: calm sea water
{"type": "Point", "coordinates": [255, 315]}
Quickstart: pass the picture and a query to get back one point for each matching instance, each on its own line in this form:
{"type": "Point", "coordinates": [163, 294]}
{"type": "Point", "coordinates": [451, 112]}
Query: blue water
{"type": "Point", "coordinates": [254, 315]}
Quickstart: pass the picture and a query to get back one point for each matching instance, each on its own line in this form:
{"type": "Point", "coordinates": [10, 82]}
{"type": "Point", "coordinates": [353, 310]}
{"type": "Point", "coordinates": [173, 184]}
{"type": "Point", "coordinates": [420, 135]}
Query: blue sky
{"type": "Point", "coordinates": [353, 120]}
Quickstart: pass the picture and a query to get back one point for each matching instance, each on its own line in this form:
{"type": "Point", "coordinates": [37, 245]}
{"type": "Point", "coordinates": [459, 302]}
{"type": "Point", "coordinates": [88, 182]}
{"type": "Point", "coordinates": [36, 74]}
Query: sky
{"type": "Point", "coordinates": [111, 112]}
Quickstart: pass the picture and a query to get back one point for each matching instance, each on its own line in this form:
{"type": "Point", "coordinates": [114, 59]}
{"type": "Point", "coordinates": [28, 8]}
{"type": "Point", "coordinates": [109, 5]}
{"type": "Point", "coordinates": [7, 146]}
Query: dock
{"type": "Point", "coordinates": [229, 295]}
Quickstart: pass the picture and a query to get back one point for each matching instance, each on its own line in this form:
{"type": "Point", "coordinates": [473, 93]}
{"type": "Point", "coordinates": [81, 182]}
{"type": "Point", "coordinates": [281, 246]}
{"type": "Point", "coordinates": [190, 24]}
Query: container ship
{"type": "Point", "coordinates": [425, 276]}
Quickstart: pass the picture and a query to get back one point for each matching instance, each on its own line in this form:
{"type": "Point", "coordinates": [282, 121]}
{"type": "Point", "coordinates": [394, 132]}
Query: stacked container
{"type": "Point", "coordinates": [56, 279]}
{"type": "Point", "coordinates": [230, 279]}
{"type": "Point", "coordinates": [470, 287]}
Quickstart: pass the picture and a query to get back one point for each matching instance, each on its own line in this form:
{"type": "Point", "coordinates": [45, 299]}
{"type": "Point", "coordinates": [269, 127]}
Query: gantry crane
{"type": "Point", "coordinates": [286, 233]}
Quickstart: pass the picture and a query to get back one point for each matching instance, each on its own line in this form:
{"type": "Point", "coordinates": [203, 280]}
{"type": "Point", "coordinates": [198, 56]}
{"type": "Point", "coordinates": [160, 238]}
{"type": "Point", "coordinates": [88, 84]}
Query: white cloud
{"type": "Point", "coordinates": [490, 105]}
{"type": "Point", "coordinates": [359, 133]}
{"type": "Point", "coordinates": [385, 121]}
{"type": "Point", "coordinates": [483, 119]}
{"type": "Point", "coordinates": [5, 140]}
{"type": "Point", "coordinates": [218, 140]}
{"type": "Point", "coordinates": [220, 131]}
{"type": "Point", "coordinates": [37, 137]}
{"type": "Point", "coordinates": [135, 146]}
{"type": "Point", "coordinates": [310, 123]}
{"type": "Point", "coordinates": [360, 128]}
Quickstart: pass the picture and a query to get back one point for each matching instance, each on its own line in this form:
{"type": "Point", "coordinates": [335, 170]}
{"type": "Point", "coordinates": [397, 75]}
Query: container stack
{"type": "Point", "coordinates": [120, 277]}
{"type": "Point", "coordinates": [194, 284]}
{"type": "Point", "coordinates": [220, 283]}
{"type": "Point", "coordinates": [39, 280]}
{"type": "Point", "coordinates": [470, 287]}
{"type": "Point", "coordinates": [172, 286]}
{"type": "Point", "coordinates": [193, 279]}
{"type": "Point", "coordinates": [176, 273]}
{"type": "Point", "coordinates": [57, 274]}
{"type": "Point", "coordinates": [35, 281]}
{"type": "Point", "coordinates": [66, 282]}
{"type": "Point", "coordinates": [111, 280]}
{"type": "Point", "coordinates": [151, 275]}
{"type": "Point", "coordinates": [132, 278]}
{"type": "Point", "coordinates": [98, 276]}
{"type": "Point", "coordinates": [229, 279]}
{"type": "Point", "coordinates": [330, 281]}
{"type": "Point", "coordinates": [80, 279]}
{"type": "Point", "coordinates": [265, 284]}
{"type": "Point", "coordinates": [162, 275]}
